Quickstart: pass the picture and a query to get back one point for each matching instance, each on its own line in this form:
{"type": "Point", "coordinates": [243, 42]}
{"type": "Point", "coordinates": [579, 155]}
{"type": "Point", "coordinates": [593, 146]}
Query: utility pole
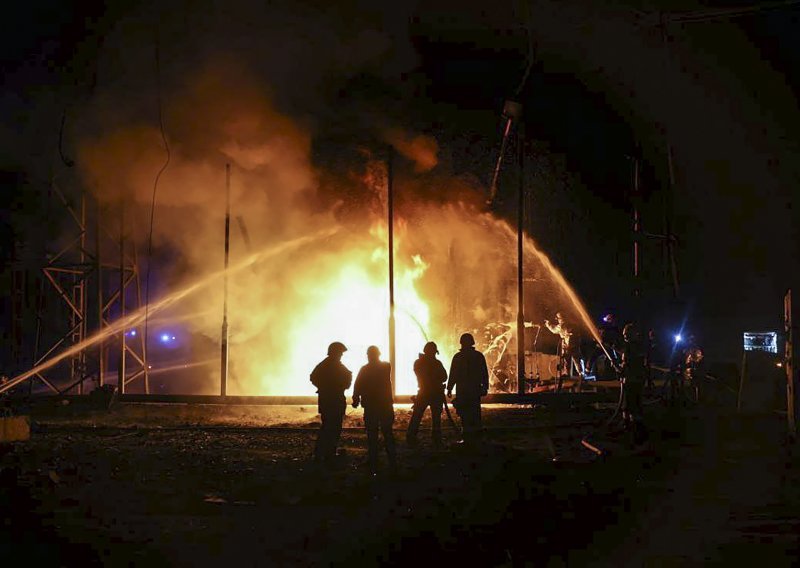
{"type": "Point", "coordinates": [512, 112]}
{"type": "Point", "coordinates": [122, 347]}
{"type": "Point", "coordinates": [637, 232]}
{"type": "Point", "coordinates": [223, 387]}
{"type": "Point", "coordinates": [790, 364]}
{"type": "Point", "coordinates": [98, 267]}
{"type": "Point", "coordinates": [390, 212]}
{"type": "Point", "coordinates": [520, 257]}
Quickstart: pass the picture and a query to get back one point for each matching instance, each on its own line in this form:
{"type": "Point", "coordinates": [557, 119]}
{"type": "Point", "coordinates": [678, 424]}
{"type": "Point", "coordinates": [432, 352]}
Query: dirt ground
{"type": "Point", "coordinates": [198, 485]}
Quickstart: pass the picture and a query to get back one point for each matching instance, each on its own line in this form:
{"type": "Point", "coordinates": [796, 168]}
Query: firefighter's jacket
{"type": "Point", "coordinates": [331, 378]}
{"type": "Point", "coordinates": [374, 385]}
{"type": "Point", "coordinates": [634, 361]}
{"type": "Point", "coordinates": [431, 375]}
{"type": "Point", "coordinates": [469, 374]}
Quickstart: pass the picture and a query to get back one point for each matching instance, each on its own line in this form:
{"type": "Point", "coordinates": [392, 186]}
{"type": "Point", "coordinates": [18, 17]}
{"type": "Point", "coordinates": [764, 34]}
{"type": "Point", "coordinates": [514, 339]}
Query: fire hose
{"type": "Point", "coordinates": [449, 416]}
{"type": "Point", "coordinates": [415, 401]}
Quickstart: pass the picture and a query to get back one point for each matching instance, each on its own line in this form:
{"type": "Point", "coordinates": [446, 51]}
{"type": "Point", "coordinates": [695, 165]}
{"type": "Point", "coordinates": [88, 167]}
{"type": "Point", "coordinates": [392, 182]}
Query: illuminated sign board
{"type": "Point", "coordinates": [765, 341]}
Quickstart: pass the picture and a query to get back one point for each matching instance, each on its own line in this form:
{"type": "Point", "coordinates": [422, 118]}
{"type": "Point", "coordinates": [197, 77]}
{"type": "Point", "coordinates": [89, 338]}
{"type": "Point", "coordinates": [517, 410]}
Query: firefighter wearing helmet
{"type": "Point", "coordinates": [634, 375]}
{"type": "Point", "coordinates": [373, 391]}
{"type": "Point", "coordinates": [331, 378]}
{"type": "Point", "coordinates": [431, 378]}
{"type": "Point", "coordinates": [470, 377]}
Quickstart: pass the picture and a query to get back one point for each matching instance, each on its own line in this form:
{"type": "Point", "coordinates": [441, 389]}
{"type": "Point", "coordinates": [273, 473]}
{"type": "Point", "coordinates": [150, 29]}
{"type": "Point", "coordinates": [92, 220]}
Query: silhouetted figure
{"type": "Point", "coordinates": [431, 378]}
{"type": "Point", "coordinates": [609, 331]}
{"type": "Point", "coordinates": [373, 390]}
{"type": "Point", "coordinates": [634, 375]}
{"type": "Point", "coordinates": [331, 378]}
{"type": "Point", "coordinates": [694, 373]}
{"type": "Point", "coordinates": [651, 351]}
{"type": "Point", "coordinates": [470, 376]}
{"type": "Point", "coordinates": [567, 346]}
{"type": "Point", "coordinates": [599, 363]}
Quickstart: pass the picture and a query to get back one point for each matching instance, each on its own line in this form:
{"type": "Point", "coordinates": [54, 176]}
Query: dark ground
{"type": "Point", "coordinates": [712, 488]}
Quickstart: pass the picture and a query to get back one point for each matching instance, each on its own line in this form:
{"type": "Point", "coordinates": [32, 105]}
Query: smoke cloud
{"type": "Point", "coordinates": [455, 264]}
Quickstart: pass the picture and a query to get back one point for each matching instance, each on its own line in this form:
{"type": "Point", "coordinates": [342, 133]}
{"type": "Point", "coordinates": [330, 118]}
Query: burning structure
{"type": "Point", "coordinates": [308, 252]}
{"type": "Point", "coordinates": [454, 263]}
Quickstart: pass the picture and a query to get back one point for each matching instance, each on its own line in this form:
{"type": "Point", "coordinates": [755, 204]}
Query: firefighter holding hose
{"type": "Point", "coordinates": [331, 378]}
{"type": "Point", "coordinates": [566, 345]}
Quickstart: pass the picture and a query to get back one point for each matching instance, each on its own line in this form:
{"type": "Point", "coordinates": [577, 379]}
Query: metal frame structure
{"type": "Point", "coordinates": [66, 277]}
{"type": "Point", "coordinates": [123, 277]}
{"type": "Point", "coordinates": [67, 274]}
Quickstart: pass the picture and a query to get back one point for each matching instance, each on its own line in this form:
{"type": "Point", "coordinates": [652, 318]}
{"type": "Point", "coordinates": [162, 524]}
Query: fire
{"type": "Point", "coordinates": [351, 305]}
{"type": "Point", "coordinates": [455, 263]}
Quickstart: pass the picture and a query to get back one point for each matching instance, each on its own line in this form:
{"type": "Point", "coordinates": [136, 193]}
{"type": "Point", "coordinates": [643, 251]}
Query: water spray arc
{"type": "Point", "coordinates": [571, 294]}
{"type": "Point", "coordinates": [135, 318]}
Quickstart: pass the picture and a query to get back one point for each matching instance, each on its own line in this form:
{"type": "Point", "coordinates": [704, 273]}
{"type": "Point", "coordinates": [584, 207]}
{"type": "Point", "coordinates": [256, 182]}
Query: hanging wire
{"type": "Point", "coordinates": [155, 186]}
{"type": "Point", "coordinates": [728, 13]}
{"type": "Point", "coordinates": [531, 48]}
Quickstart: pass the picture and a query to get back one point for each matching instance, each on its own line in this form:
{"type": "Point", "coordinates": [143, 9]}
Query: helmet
{"type": "Point", "coordinates": [373, 350]}
{"type": "Point", "coordinates": [430, 348]}
{"type": "Point", "coordinates": [467, 339]}
{"type": "Point", "coordinates": [336, 348]}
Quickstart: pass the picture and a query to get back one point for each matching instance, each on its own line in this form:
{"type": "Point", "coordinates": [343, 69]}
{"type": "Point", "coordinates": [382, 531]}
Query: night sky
{"type": "Point", "coordinates": [602, 88]}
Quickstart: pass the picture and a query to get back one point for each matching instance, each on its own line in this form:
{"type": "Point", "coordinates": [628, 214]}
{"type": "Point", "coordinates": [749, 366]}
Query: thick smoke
{"type": "Point", "coordinates": [455, 265]}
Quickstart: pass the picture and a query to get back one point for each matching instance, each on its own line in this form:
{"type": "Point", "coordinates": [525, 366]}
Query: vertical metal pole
{"type": "Point", "coordinates": [37, 341]}
{"type": "Point", "coordinates": [742, 378]}
{"type": "Point", "coordinates": [101, 363]}
{"type": "Point", "coordinates": [390, 212]}
{"type": "Point", "coordinates": [670, 242]}
{"type": "Point", "coordinates": [79, 365]}
{"type": "Point", "coordinates": [223, 387]}
{"type": "Point", "coordinates": [670, 239]}
{"type": "Point", "coordinates": [637, 231]}
{"type": "Point", "coordinates": [520, 255]}
{"type": "Point", "coordinates": [789, 364]}
{"type": "Point", "coordinates": [142, 336]}
{"type": "Point", "coordinates": [122, 346]}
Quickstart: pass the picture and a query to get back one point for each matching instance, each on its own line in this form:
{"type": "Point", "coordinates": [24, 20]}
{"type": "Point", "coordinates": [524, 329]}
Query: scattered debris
{"type": "Point", "coordinates": [589, 446]}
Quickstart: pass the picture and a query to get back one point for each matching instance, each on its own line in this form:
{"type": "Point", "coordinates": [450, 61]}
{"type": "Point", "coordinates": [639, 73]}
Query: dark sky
{"type": "Point", "coordinates": [722, 92]}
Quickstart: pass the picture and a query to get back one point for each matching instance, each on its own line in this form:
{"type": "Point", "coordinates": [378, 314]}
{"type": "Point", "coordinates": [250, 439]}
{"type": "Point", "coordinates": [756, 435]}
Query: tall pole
{"type": "Point", "coordinates": [98, 266]}
{"type": "Point", "coordinates": [670, 239]}
{"type": "Point", "coordinates": [789, 362]}
{"type": "Point", "coordinates": [224, 349]}
{"type": "Point", "coordinates": [637, 230]}
{"type": "Point", "coordinates": [79, 367]}
{"type": "Point", "coordinates": [520, 281]}
{"type": "Point", "coordinates": [122, 346]}
{"type": "Point", "coordinates": [390, 212]}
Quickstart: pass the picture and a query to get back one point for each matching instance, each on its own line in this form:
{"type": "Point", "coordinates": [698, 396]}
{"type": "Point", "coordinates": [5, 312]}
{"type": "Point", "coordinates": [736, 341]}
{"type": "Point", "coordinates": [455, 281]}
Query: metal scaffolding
{"type": "Point", "coordinates": [71, 287]}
